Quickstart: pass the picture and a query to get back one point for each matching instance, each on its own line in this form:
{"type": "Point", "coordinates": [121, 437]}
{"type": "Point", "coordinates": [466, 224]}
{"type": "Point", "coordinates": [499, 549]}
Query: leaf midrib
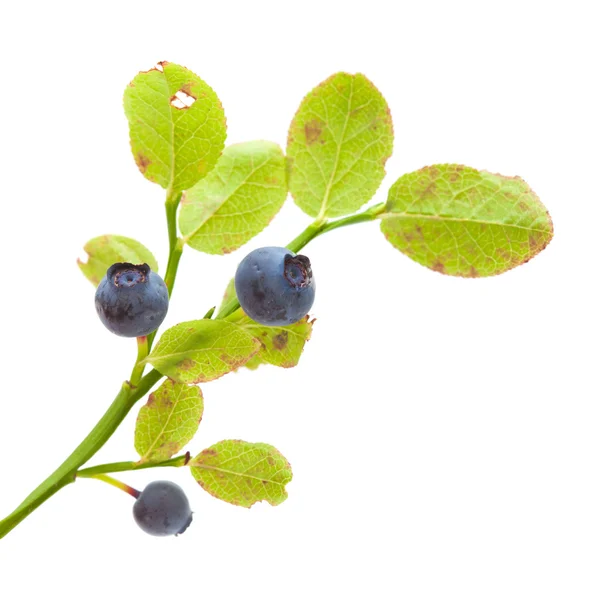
{"type": "Point", "coordinates": [226, 199]}
{"type": "Point", "coordinates": [237, 474]}
{"type": "Point", "coordinates": [325, 203]}
{"type": "Point", "coordinates": [392, 215]}
{"type": "Point", "coordinates": [162, 431]}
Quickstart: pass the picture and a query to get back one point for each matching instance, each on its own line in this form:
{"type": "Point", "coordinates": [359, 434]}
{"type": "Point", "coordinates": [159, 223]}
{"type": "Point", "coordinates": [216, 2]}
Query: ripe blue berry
{"type": "Point", "coordinates": [131, 300]}
{"type": "Point", "coordinates": [275, 286]}
{"type": "Point", "coordinates": [162, 509]}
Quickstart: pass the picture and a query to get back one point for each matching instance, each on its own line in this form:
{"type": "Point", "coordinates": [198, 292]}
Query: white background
{"type": "Point", "coordinates": [444, 433]}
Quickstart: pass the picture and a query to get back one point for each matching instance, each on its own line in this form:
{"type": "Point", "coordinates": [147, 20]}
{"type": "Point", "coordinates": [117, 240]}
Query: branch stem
{"type": "Point", "coordinates": [65, 474]}
{"type": "Point", "coordinates": [117, 467]}
{"type": "Point", "coordinates": [314, 230]}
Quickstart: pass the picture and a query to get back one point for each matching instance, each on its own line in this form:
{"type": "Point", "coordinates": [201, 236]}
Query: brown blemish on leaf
{"type": "Point", "coordinates": [473, 272]}
{"type": "Point", "coordinates": [439, 267]}
{"type": "Point", "coordinates": [419, 231]}
{"type": "Point", "coordinates": [209, 452]}
{"type": "Point", "coordinates": [312, 131]}
{"type": "Point", "coordinates": [272, 180]}
{"type": "Point", "coordinates": [523, 206]}
{"type": "Point", "coordinates": [151, 400]}
{"type": "Point", "coordinates": [142, 162]}
{"type": "Point", "coordinates": [270, 460]}
{"type": "Point", "coordinates": [186, 364]}
{"type": "Point", "coordinates": [280, 340]}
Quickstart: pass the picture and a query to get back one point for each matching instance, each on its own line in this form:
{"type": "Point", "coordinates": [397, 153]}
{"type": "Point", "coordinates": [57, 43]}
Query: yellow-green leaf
{"type": "Point", "coordinates": [338, 144]}
{"type": "Point", "coordinates": [280, 346]}
{"type": "Point", "coordinates": [107, 250]}
{"type": "Point", "coordinates": [168, 421]}
{"type": "Point", "coordinates": [203, 350]}
{"type": "Point", "coordinates": [460, 221]}
{"type": "Point", "coordinates": [176, 126]}
{"type": "Point", "coordinates": [242, 473]}
{"type": "Point", "coordinates": [237, 200]}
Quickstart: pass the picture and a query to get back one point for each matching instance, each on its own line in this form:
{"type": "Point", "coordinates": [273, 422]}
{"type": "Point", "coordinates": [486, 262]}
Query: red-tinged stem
{"type": "Point", "coordinates": [118, 484]}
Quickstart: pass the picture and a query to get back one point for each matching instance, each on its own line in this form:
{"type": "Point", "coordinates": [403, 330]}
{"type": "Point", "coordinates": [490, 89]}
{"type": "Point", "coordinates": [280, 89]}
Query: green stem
{"type": "Point", "coordinates": [175, 248]}
{"type": "Point", "coordinates": [171, 205]}
{"type": "Point", "coordinates": [310, 233]}
{"type": "Point", "coordinates": [172, 266]}
{"type": "Point", "coordinates": [118, 484]}
{"type": "Point", "coordinates": [117, 467]}
{"type": "Point", "coordinates": [65, 474]}
{"type": "Point", "coordinates": [138, 369]}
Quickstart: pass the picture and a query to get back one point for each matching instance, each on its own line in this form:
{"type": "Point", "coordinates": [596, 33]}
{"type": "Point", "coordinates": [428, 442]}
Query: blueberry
{"type": "Point", "coordinates": [131, 300]}
{"type": "Point", "coordinates": [162, 509]}
{"type": "Point", "coordinates": [275, 286]}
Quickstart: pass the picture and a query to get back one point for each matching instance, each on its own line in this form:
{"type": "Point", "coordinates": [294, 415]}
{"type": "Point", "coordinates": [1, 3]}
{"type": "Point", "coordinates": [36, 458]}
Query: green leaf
{"type": "Point", "coordinates": [237, 200]}
{"type": "Point", "coordinates": [107, 250]}
{"type": "Point", "coordinates": [203, 350]}
{"type": "Point", "coordinates": [280, 346]}
{"type": "Point", "coordinates": [338, 144]}
{"type": "Point", "coordinates": [242, 473]}
{"type": "Point", "coordinates": [168, 421]}
{"type": "Point", "coordinates": [174, 144]}
{"type": "Point", "coordinates": [460, 221]}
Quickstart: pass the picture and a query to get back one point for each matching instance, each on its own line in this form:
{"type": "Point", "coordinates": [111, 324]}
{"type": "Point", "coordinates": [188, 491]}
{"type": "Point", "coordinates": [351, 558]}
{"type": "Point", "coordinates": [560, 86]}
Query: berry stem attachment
{"type": "Point", "coordinates": [138, 369]}
{"type": "Point", "coordinates": [314, 230]}
{"type": "Point", "coordinates": [118, 484]}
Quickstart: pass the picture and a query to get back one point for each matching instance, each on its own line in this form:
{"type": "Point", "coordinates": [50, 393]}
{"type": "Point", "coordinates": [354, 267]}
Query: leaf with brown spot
{"type": "Point", "coordinates": [280, 346]}
{"type": "Point", "coordinates": [338, 144]}
{"type": "Point", "coordinates": [197, 351]}
{"type": "Point", "coordinates": [106, 250]}
{"type": "Point", "coordinates": [242, 473]}
{"type": "Point", "coordinates": [237, 200]}
{"type": "Point", "coordinates": [168, 421]}
{"type": "Point", "coordinates": [174, 144]}
{"type": "Point", "coordinates": [460, 221]}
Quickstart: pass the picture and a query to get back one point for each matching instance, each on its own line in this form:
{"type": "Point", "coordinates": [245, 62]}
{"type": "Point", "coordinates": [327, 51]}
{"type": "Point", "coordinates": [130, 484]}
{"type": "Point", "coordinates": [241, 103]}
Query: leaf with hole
{"type": "Point", "coordinates": [107, 250]}
{"type": "Point", "coordinates": [237, 200]}
{"type": "Point", "coordinates": [242, 473]}
{"type": "Point", "coordinates": [176, 126]}
{"type": "Point", "coordinates": [338, 144]}
{"type": "Point", "coordinates": [280, 346]}
{"type": "Point", "coordinates": [460, 221]}
{"type": "Point", "coordinates": [203, 350]}
{"type": "Point", "coordinates": [168, 421]}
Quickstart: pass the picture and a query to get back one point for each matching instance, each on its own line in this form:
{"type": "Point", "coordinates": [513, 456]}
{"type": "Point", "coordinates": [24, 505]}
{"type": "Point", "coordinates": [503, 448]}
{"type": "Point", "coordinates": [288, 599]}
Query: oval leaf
{"type": "Point", "coordinates": [203, 350]}
{"type": "Point", "coordinates": [460, 221]}
{"type": "Point", "coordinates": [338, 144]}
{"type": "Point", "coordinates": [237, 200]}
{"type": "Point", "coordinates": [176, 126]}
{"type": "Point", "coordinates": [242, 473]}
{"type": "Point", "coordinates": [168, 421]}
{"type": "Point", "coordinates": [107, 250]}
{"type": "Point", "coordinates": [280, 346]}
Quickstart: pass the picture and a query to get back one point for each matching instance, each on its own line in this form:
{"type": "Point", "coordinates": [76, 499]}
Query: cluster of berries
{"type": "Point", "coordinates": [274, 287]}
